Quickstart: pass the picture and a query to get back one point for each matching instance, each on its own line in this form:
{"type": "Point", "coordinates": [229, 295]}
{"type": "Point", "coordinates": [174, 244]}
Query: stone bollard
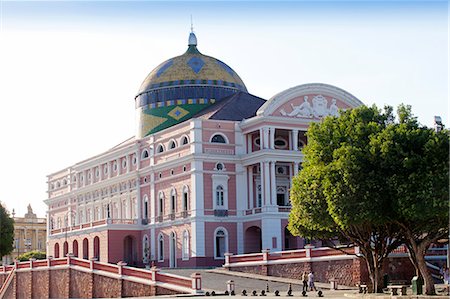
{"type": "Point", "coordinates": [196, 279]}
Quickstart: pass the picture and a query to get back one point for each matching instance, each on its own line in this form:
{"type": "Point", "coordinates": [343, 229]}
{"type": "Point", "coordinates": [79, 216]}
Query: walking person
{"type": "Point", "coordinates": [305, 281]}
{"type": "Point", "coordinates": [311, 281]}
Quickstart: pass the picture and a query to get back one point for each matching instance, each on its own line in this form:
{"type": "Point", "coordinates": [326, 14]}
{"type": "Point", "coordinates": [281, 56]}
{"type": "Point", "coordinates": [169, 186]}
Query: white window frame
{"type": "Point", "coordinates": [173, 201]}
{"type": "Point", "coordinates": [160, 203]}
{"type": "Point", "coordinates": [160, 247]}
{"type": "Point", "coordinates": [221, 134]}
{"type": "Point", "coordinates": [220, 180]}
{"type": "Point", "coordinates": [185, 253]}
{"type": "Point", "coordinates": [143, 154]}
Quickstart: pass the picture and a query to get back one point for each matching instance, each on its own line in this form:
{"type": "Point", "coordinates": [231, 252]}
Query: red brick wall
{"type": "Point", "coordinates": [40, 284]}
{"type": "Point", "coordinates": [23, 287]}
{"type": "Point", "coordinates": [133, 289]}
{"type": "Point", "coordinates": [345, 272]}
{"type": "Point", "coordinates": [80, 284]}
{"type": "Point", "coordinates": [106, 287]}
{"type": "Point", "coordinates": [59, 283]}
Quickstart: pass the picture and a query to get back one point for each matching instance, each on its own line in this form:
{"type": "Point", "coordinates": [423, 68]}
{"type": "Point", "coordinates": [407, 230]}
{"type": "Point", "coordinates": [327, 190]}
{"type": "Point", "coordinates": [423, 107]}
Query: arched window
{"type": "Point", "coordinates": [145, 207]}
{"type": "Point", "coordinates": [185, 245]}
{"type": "Point", "coordinates": [56, 251]}
{"type": "Point", "coordinates": [184, 140]}
{"type": "Point", "coordinates": [161, 204]}
{"type": "Point", "coordinates": [75, 248]}
{"type": "Point", "coordinates": [85, 248]}
{"type": "Point", "coordinates": [160, 148]}
{"type": "Point", "coordinates": [144, 154]}
{"type": "Point", "coordinates": [173, 201]}
{"type": "Point", "coordinates": [172, 144]}
{"type": "Point", "coordinates": [218, 138]}
{"type": "Point", "coordinates": [185, 198]}
{"type": "Point", "coordinates": [97, 248]}
{"type": "Point", "coordinates": [160, 248]}
{"type": "Point", "coordinates": [219, 196]}
{"type": "Point", "coordinates": [65, 249]}
{"type": "Point", "coordinates": [220, 243]}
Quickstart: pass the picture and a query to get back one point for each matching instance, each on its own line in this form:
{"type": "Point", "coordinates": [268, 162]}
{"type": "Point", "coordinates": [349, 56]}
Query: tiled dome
{"type": "Point", "coordinates": [191, 81]}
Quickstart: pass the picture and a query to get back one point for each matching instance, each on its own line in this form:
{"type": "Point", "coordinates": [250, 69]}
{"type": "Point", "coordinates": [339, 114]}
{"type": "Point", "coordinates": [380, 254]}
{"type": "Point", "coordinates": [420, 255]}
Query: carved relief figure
{"type": "Point", "coordinates": [334, 110]}
{"type": "Point", "coordinates": [302, 110]}
{"type": "Point", "coordinates": [320, 106]}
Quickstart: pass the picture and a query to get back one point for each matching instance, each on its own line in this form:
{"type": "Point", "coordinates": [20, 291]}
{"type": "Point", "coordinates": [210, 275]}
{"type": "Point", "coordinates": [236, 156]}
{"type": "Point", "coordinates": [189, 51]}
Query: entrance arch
{"type": "Point", "coordinates": [253, 240]}
{"type": "Point", "coordinates": [75, 248]}
{"type": "Point", "coordinates": [85, 248]}
{"type": "Point", "coordinates": [97, 248]}
{"type": "Point", "coordinates": [129, 250]}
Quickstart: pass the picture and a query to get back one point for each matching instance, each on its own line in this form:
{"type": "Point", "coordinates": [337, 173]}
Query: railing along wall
{"type": "Point", "coordinates": [310, 253]}
{"type": "Point", "coordinates": [151, 276]}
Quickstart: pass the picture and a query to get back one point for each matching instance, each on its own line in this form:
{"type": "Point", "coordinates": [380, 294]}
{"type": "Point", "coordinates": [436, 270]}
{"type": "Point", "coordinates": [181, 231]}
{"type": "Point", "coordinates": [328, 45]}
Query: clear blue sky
{"type": "Point", "coordinates": [69, 71]}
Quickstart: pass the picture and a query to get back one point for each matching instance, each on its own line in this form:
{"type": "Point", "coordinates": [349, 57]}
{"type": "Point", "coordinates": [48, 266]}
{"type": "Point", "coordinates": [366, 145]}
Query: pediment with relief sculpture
{"type": "Point", "coordinates": [309, 101]}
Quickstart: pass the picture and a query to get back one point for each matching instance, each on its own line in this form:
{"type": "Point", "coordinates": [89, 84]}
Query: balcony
{"type": "Point", "coordinates": [221, 213]}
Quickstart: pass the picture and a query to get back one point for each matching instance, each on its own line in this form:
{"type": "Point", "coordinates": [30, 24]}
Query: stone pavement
{"type": "Point", "coordinates": [216, 280]}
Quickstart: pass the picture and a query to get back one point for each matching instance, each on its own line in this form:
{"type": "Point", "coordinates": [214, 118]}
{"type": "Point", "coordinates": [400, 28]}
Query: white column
{"type": "Point", "coordinates": [138, 199]}
{"type": "Point", "coordinates": [250, 187]}
{"type": "Point", "coordinates": [84, 178]}
{"type": "Point", "coordinates": [262, 183]}
{"type": "Point", "coordinates": [129, 163]}
{"type": "Point", "coordinates": [271, 137]}
{"type": "Point", "coordinates": [92, 175]}
{"type": "Point", "coordinates": [152, 198]}
{"type": "Point", "coordinates": [118, 166]}
{"type": "Point", "coordinates": [197, 193]}
{"type": "Point", "coordinates": [266, 183]}
{"type": "Point", "coordinates": [249, 143]}
{"type": "Point", "coordinates": [273, 184]}
{"type": "Point", "coordinates": [295, 139]}
{"type": "Point", "coordinates": [295, 168]}
{"type": "Point", "coordinates": [266, 137]}
{"type": "Point", "coordinates": [291, 146]}
{"type": "Point", "coordinates": [261, 139]}
{"type": "Point", "coordinates": [109, 169]}
{"type": "Point", "coordinates": [119, 207]}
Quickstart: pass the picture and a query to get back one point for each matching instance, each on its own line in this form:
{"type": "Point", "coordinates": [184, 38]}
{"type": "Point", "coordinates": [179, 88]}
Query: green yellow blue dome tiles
{"type": "Point", "coordinates": [153, 120]}
{"type": "Point", "coordinates": [189, 68]}
{"type": "Point", "coordinates": [196, 64]}
{"type": "Point", "coordinates": [182, 86]}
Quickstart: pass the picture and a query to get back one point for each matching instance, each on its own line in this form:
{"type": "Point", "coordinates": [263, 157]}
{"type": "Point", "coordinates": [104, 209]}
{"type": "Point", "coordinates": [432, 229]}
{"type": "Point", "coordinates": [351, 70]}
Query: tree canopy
{"type": "Point", "coordinates": [6, 232]}
{"type": "Point", "coordinates": [361, 181]}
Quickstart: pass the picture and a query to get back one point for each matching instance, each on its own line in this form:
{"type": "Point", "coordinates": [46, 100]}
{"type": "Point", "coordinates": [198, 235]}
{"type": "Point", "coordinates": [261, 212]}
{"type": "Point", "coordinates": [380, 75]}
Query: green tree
{"type": "Point", "coordinates": [6, 232]}
{"type": "Point", "coordinates": [39, 255]}
{"type": "Point", "coordinates": [416, 159]}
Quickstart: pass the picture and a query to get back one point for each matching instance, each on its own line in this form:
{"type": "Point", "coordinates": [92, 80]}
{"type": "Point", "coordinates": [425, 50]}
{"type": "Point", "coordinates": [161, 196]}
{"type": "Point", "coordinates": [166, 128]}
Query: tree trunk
{"type": "Point", "coordinates": [375, 273]}
{"type": "Point", "coordinates": [421, 264]}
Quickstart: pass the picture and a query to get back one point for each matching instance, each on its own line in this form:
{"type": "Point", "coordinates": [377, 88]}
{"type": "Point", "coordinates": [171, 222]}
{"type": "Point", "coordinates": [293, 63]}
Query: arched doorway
{"type": "Point", "coordinates": [65, 249]}
{"type": "Point", "coordinates": [129, 250]}
{"type": "Point", "coordinates": [173, 251]}
{"type": "Point", "coordinates": [85, 249]}
{"type": "Point", "coordinates": [290, 241]}
{"type": "Point", "coordinates": [97, 248]}
{"type": "Point", "coordinates": [75, 248]}
{"type": "Point", "coordinates": [253, 240]}
{"type": "Point", "coordinates": [56, 250]}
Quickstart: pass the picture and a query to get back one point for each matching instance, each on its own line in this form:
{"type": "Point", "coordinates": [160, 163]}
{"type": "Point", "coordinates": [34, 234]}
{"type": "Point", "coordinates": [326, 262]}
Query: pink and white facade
{"type": "Point", "coordinates": [185, 195]}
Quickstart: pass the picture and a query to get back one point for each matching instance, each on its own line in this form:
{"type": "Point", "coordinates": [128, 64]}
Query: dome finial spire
{"type": "Point", "coordinates": [192, 37]}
